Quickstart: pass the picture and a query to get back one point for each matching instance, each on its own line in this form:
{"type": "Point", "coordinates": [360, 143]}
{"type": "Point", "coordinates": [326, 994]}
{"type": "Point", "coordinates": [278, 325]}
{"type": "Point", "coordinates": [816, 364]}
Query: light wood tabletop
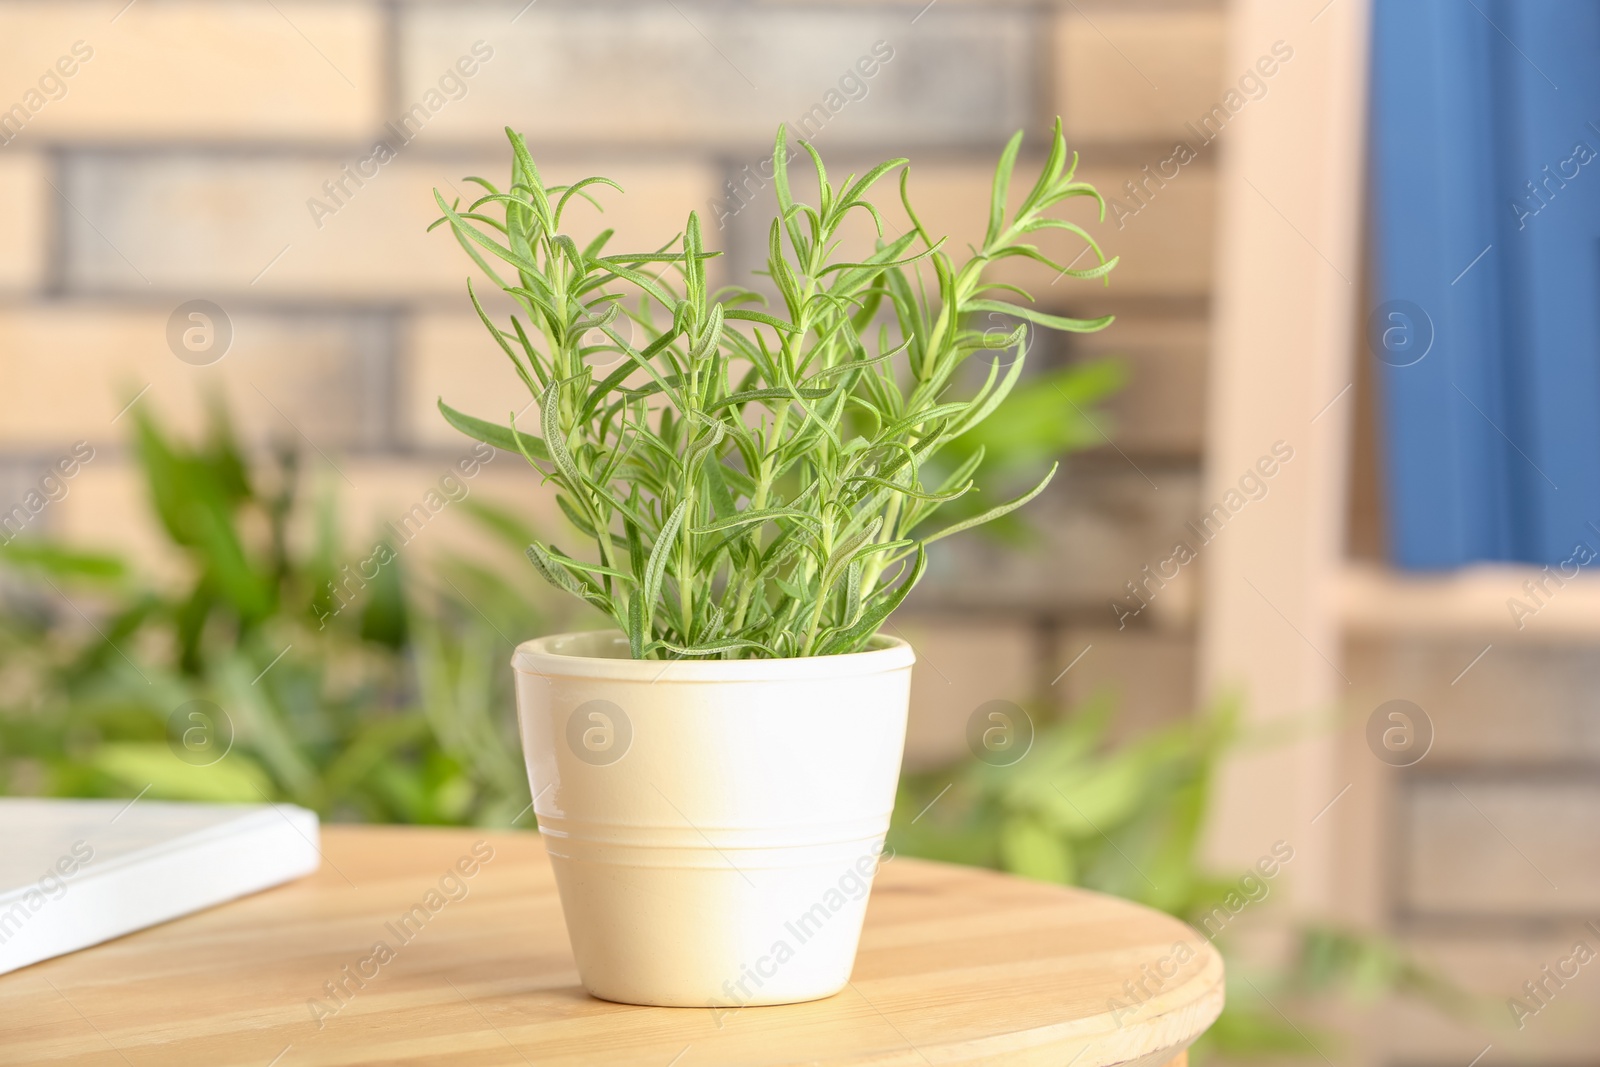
{"type": "Point", "coordinates": [957, 966]}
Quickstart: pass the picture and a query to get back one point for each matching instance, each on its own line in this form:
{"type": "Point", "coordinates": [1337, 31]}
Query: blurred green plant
{"type": "Point", "coordinates": [379, 698]}
{"type": "Point", "coordinates": [1126, 817]}
{"type": "Point", "coordinates": [382, 698]}
{"type": "Point", "coordinates": [1047, 416]}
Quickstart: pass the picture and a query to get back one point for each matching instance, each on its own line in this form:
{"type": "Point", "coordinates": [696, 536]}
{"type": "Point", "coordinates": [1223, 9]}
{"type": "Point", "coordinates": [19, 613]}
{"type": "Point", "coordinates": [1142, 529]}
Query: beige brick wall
{"type": "Point", "coordinates": [1128, 75]}
{"type": "Point", "coordinates": [1493, 966]}
{"type": "Point", "coordinates": [231, 72]}
{"type": "Point", "coordinates": [202, 151]}
{"type": "Point", "coordinates": [1502, 847]}
{"type": "Point", "coordinates": [1156, 412]}
{"type": "Point", "coordinates": [382, 495]}
{"type": "Point", "coordinates": [1523, 704]}
{"type": "Point", "coordinates": [190, 153]}
{"type": "Point", "coordinates": [962, 663]}
{"type": "Point", "coordinates": [190, 222]}
{"type": "Point", "coordinates": [727, 75]}
{"type": "Point", "coordinates": [107, 509]}
{"type": "Point", "coordinates": [1149, 672]}
{"type": "Point", "coordinates": [451, 357]}
{"type": "Point", "coordinates": [71, 368]}
{"type": "Point", "coordinates": [414, 503]}
{"type": "Point", "coordinates": [24, 223]}
{"type": "Point", "coordinates": [1485, 856]}
{"type": "Point", "coordinates": [1166, 244]}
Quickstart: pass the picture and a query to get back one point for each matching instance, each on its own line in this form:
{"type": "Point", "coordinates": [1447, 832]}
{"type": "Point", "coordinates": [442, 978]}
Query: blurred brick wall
{"type": "Point", "coordinates": [1487, 860]}
{"type": "Point", "coordinates": [197, 150]}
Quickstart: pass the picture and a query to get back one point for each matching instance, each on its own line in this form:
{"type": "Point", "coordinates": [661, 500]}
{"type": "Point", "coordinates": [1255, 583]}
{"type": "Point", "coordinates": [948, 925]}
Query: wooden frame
{"type": "Point", "coordinates": [1287, 302]}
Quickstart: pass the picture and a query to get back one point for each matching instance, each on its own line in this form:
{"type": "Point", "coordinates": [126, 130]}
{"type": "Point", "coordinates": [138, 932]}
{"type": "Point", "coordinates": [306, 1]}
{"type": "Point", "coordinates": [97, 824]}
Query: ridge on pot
{"type": "Point", "coordinates": [713, 825]}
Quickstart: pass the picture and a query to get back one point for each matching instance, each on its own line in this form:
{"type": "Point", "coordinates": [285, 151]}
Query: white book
{"type": "Point", "coordinates": [74, 873]}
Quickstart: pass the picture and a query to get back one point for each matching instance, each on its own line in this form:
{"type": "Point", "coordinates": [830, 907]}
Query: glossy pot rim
{"type": "Point", "coordinates": [605, 654]}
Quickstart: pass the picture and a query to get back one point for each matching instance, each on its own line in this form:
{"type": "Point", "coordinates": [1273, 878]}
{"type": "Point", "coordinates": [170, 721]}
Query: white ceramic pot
{"type": "Point", "coordinates": [714, 825]}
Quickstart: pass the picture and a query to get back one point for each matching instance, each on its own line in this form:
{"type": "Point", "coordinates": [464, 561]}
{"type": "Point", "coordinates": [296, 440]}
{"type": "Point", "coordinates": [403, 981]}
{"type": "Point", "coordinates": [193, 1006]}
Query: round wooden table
{"type": "Point", "coordinates": [956, 966]}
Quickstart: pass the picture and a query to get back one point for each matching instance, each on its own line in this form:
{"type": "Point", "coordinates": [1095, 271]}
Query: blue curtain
{"type": "Point", "coordinates": [1486, 303]}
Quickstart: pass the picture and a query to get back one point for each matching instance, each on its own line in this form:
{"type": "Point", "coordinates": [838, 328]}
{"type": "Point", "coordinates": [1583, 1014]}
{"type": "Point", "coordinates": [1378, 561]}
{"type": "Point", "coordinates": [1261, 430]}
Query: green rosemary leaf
{"type": "Point", "coordinates": [593, 568]}
{"type": "Point", "coordinates": [593, 249]}
{"type": "Point", "coordinates": [745, 518]}
{"type": "Point", "coordinates": [461, 226]}
{"type": "Point", "coordinates": [1002, 185]}
{"type": "Point", "coordinates": [906, 490]}
{"type": "Point", "coordinates": [1055, 322]}
{"type": "Point", "coordinates": [712, 648]}
{"type": "Point", "coordinates": [851, 638]}
{"type": "Point", "coordinates": [825, 191]}
{"type": "Point", "coordinates": [491, 433]}
{"type": "Point", "coordinates": [555, 438]}
{"type": "Point", "coordinates": [722, 504]}
{"type": "Point", "coordinates": [530, 173]}
{"type": "Point", "coordinates": [636, 625]}
{"type": "Point", "coordinates": [852, 194]}
{"type": "Point", "coordinates": [710, 337]}
{"type": "Point", "coordinates": [494, 331]}
{"type": "Point", "coordinates": [756, 316]}
{"type": "Point", "coordinates": [876, 264]}
{"type": "Point", "coordinates": [551, 570]}
{"type": "Point", "coordinates": [852, 593]}
{"type": "Point", "coordinates": [576, 189]}
{"type": "Point", "coordinates": [749, 395]}
{"type": "Point", "coordinates": [581, 522]}
{"type": "Point", "coordinates": [655, 570]}
{"type": "Point", "coordinates": [989, 398]}
{"type": "Point", "coordinates": [995, 512]}
{"type": "Point", "coordinates": [759, 453]}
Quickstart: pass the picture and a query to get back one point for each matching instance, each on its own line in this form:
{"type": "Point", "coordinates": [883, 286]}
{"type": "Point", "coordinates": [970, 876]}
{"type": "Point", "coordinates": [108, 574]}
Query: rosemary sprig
{"type": "Point", "coordinates": [751, 476]}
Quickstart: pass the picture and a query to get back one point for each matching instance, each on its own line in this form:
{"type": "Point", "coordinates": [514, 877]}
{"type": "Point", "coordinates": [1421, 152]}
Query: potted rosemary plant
{"type": "Point", "coordinates": [714, 777]}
